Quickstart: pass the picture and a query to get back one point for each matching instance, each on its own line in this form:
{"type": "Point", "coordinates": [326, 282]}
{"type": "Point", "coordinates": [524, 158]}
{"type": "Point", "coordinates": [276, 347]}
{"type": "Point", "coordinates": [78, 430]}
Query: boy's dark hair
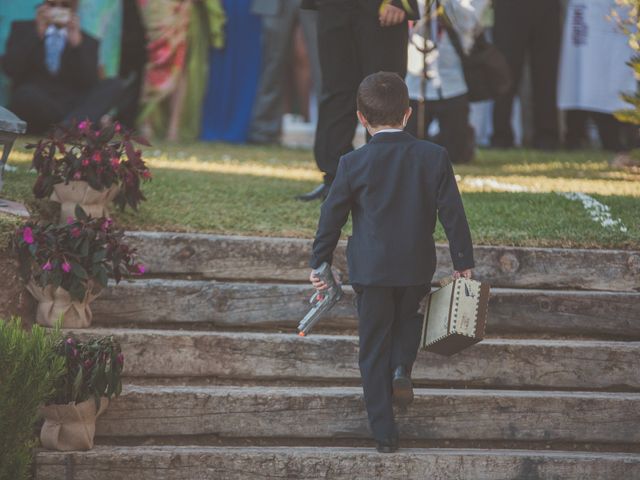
{"type": "Point", "coordinates": [383, 99]}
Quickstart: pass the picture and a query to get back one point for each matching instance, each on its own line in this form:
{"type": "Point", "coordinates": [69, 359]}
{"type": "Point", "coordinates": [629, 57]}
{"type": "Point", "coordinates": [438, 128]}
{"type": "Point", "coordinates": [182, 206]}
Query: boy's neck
{"type": "Point", "coordinates": [378, 128]}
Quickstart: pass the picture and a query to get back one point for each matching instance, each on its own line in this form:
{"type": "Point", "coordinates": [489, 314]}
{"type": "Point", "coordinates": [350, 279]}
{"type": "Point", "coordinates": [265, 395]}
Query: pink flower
{"type": "Point", "coordinates": [77, 176]}
{"type": "Point", "coordinates": [115, 162]}
{"type": "Point", "coordinates": [47, 266]}
{"type": "Point", "coordinates": [118, 127]}
{"type": "Point", "coordinates": [85, 162]}
{"type": "Point", "coordinates": [96, 157]}
{"type": "Point", "coordinates": [66, 266]}
{"type": "Point", "coordinates": [70, 220]}
{"type": "Point", "coordinates": [106, 224]}
{"type": "Point", "coordinates": [88, 364]}
{"type": "Point", "coordinates": [74, 352]}
{"type": "Point", "coordinates": [70, 341]}
{"type": "Point", "coordinates": [27, 235]}
{"type": "Point", "coordinates": [141, 268]}
{"type": "Point", "coordinates": [146, 174]}
{"type": "Point", "coordinates": [83, 125]}
{"type": "Point", "coordinates": [120, 359]}
{"type": "Point", "coordinates": [75, 232]}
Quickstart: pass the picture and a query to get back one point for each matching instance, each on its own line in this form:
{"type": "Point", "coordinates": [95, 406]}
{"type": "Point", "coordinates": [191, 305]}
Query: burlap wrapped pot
{"type": "Point", "coordinates": [78, 192]}
{"type": "Point", "coordinates": [72, 426]}
{"type": "Point", "coordinates": [53, 303]}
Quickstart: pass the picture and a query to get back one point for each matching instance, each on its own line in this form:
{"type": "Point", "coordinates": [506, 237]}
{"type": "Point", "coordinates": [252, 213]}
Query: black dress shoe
{"type": "Point", "coordinates": [402, 387]}
{"type": "Point", "coordinates": [318, 193]}
{"type": "Point", "coordinates": [388, 446]}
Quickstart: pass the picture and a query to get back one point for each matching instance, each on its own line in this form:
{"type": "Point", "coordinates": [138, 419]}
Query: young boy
{"type": "Point", "coordinates": [394, 187]}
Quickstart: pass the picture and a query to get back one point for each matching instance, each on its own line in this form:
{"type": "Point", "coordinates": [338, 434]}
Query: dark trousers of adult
{"type": "Point", "coordinates": [351, 45]}
{"type": "Point", "coordinates": [43, 106]}
{"type": "Point", "coordinates": [456, 134]}
{"type": "Point", "coordinates": [389, 328]}
{"type": "Point", "coordinates": [526, 27]}
{"type": "Point", "coordinates": [614, 135]}
{"type": "Point", "coordinates": [277, 37]}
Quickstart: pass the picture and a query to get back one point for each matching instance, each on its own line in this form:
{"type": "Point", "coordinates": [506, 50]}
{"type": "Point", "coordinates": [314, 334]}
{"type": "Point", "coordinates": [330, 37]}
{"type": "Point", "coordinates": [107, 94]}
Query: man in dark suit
{"type": "Point", "coordinates": [394, 187]}
{"type": "Point", "coordinates": [355, 38]}
{"type": "Point", "coordinates": [53, 66]}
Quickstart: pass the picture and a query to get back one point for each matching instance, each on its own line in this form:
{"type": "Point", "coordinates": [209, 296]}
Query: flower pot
{"type": "Point", "coordinates": [71, 426]}
{"type": "Point", "coordinates": [78, 192]}
{"type": "Point", "coordinates": [53, 303]}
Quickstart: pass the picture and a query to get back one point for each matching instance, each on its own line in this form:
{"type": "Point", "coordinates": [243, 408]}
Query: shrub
{"type": "Point", "coordinates": [75, 256]}
{"type": "Point", "coordinates": [102, 158]}
{"type": "Point", "coordinates": [30, 367]}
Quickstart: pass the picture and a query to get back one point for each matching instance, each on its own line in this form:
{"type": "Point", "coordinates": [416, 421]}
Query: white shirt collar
{"type": "Point", "coordinates": [51, 29]}
{"type": "Point", "coordinates": [388, 130]}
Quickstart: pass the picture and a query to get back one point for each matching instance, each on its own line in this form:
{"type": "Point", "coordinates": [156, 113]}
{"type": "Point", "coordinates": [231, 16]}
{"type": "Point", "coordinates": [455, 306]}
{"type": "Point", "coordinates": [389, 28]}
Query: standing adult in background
{"type": "Point", "coordinates": [53, 67]}
{"type": "Point", "coordinates": [593, 73]}
{"type": "Point", "coordinates": [529, 27]}
{"type": "Point", "coordinates": [233, 76]}
{"type": "Point", "coordinates": [279, 20]}
{"type": "Point", "coordinates": [436, 74]}
{"type": "Point", "coordinates": [355, 38]}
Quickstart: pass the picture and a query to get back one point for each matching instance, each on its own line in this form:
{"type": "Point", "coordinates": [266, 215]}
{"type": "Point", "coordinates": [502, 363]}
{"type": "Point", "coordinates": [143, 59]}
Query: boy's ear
{"type": "Point", "coordinates": [407, 115]}
{"type": "Point", "coordinates": [362, 119]}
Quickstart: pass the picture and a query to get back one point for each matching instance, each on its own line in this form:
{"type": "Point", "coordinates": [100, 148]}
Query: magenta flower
{"type": "Point", "coordinates": [146, 174]}
{"type": "Point", "coordinates": [85, 162]}
{"type": "Point", "coordinates": [118, 127]}
{"type": "Point", "coordinates": [120, 359]}
{"type": "Point", "coordinates": [47, 266]}
{"type": "Point", "coordinates": [83, 125]}
{"type": "Point", "coordinates": [27, 235]}
{"type": "Point", "coordinates": [77, 176]}
{"type": "Point", "coordinates": [141, 268]}
{"type": "Point", "coordinates": [88, 364]}
{"type": "Point", "coordinates": [106, 224]}
{"type": "Point", "coordinates": [66, 266]}
{"type": "Point", "coordinates": [75, 232]}
{"type": "Point", "coordinates": [70, 220]}
{"type": "Point", "coordinates": [96, 157]}
{"type": "Point", "coordinates": [70, 341]}
{"type": "Point", "coordinates": [115, 162]}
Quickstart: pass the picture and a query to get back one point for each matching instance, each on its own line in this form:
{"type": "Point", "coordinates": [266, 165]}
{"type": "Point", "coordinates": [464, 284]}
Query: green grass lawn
{"type": "Point", "coordinates": [249, 190]}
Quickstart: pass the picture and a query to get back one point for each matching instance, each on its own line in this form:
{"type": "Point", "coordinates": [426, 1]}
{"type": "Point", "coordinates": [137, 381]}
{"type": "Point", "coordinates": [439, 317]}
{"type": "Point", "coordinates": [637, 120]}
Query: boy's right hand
{"type": "Point", "coordinates": [463, 274]}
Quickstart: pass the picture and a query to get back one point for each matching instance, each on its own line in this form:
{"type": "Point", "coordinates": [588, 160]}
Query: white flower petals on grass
{"type": "Point", "coordinates": [10, 168]}
{"type": "Point", "coordinates": [599, 212]}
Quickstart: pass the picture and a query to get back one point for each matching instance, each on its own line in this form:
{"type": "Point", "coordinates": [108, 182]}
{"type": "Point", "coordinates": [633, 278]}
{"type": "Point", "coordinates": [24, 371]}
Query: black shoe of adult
{"type": "Point", "coordinates": [318, 193]}
{"type": "Point", "coordinates": [402, 387]}
{"type": "Point", "coordinates": [388, 446]}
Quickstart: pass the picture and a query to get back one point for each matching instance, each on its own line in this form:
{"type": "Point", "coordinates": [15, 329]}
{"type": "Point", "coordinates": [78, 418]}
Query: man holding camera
{"type": "Point", "coordinates": [53, 66]}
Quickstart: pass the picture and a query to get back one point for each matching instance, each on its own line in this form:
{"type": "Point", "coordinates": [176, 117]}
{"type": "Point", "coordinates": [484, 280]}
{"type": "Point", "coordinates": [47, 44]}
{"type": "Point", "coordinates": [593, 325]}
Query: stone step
{"type": "Point", "coordinates": [502, 363]}
{"type": "Point", "coordinates": [330, 412]}
{"type": "Point", "coordinates": [233, 305]}
{"type": "Point", "coordinates": [262, 463]}
{"type": "Point", "coordinates": [286, 259]}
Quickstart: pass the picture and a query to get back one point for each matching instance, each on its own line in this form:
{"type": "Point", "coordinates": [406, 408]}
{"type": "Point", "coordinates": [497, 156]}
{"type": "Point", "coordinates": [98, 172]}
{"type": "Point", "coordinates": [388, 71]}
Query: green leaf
{"type": "Point", "coordinates": [102, 277]}
{"type": "Point", "coordinates": [79, 271]}
{"type": "Point", "coordinates": [99, 256]}
{"type": "Point", "coordinates": [77, 385]}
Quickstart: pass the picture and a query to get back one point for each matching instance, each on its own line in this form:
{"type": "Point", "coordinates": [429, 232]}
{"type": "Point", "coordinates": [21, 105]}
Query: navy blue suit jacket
{"type": "Point", "coordinates": [395, 188]}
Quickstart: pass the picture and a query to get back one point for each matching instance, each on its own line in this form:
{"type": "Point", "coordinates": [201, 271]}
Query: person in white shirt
{"type": "Point", "coordinates": [593, 73]}
{"type": "Point", "coordinates": [435, 75]}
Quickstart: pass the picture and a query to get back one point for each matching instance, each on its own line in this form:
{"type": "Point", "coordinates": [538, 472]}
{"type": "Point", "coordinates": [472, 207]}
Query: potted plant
{"type": "Point", "coordinates": [66, 266]}
{"type": "Point", "coordinates": [83, 166]}
{"type": "Point", "coordinates": [93, 374]}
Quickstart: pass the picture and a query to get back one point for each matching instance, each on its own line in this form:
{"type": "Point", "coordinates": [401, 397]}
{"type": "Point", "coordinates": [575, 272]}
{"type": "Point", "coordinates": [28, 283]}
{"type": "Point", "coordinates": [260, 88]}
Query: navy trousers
{"type": "Point", "coordinates": [389, 328]}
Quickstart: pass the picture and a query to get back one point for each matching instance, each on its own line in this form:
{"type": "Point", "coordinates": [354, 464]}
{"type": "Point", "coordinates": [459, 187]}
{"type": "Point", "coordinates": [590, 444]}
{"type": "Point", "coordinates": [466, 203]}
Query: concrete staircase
{"type": "Point", "coordinates": [218, 386]}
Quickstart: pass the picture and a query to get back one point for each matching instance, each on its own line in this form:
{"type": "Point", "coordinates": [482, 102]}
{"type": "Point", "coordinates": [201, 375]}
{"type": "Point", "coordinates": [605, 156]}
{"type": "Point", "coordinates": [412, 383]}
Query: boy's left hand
{"type": "Point", "coordinates": [463, 274]}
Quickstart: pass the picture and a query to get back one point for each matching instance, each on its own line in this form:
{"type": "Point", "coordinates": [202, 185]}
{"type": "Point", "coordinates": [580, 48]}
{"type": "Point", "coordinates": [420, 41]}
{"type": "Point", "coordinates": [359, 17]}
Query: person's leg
{"type": "Point", "coordinates": [510, 36]}
{"type": "Point", "coordinates": [610, 130]}
{"type": "Point", "coordinates": [340, 78]}
{"type": "Point", "coordinates": [39, 108]}
{"type": "Point", "coordinates": [545, 54]}
{"type": "Point", "coordinates": [407, 325]}
{"type": "Point", "coordinates": [456, 134]}
{"type": "Point", "coordinates": [576, 124]}
{"type": "Point", "coordinates": [277, 31]}
{"type": "Point", "coordinates": [375, 314]}
{"type": "Point", "coordinates": [309, 24]}
{"type": "Point", "coordinates": [103, 97]}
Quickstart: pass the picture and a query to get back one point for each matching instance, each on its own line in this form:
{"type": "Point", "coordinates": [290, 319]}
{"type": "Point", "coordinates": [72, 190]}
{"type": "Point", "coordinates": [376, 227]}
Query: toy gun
{"type": "Point", "coordinates": [321, 301]}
